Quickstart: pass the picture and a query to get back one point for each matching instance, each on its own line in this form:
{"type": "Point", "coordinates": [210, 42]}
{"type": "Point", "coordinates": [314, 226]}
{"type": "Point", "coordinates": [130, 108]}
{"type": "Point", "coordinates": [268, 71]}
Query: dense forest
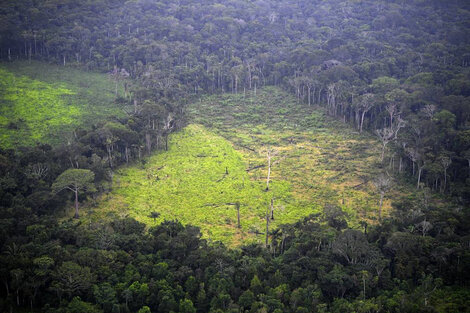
{"type": "Point", "coordinates": [395, 70]}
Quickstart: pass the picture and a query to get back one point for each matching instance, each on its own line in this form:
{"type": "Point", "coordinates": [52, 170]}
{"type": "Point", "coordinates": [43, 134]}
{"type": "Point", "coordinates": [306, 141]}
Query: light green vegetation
{"type": "Point", "coordinates": [198, 181]}
{"type": "Point", "coordinates": [42, 103]}
{"type": "Point", "coordinates": [317, 161]}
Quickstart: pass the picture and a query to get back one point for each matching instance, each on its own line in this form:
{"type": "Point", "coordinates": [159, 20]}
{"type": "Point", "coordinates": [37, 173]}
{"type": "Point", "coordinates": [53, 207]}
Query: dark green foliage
{"type": "Point", "coordinates": [315, 268]}
{"type": "Point", "coordinates": [368, 63]}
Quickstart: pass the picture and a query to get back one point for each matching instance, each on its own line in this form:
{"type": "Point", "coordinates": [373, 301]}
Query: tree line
{"type": "Point", "coordinates": [417, 260]}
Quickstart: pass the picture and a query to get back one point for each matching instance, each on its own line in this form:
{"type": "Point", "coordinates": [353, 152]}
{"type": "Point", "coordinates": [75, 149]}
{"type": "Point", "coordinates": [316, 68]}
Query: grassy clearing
{"type": "Point", "coordinates": [318, 161]}
{"type": "Point", "coordinates": [40, 102]}
{"type": "Point", "coordinates": [198, 181]}
{"type": "Point", "coordinates": [325, 160]}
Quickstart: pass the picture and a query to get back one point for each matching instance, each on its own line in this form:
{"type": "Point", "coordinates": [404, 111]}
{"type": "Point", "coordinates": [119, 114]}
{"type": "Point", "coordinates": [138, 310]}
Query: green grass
{"type": "Point", "coordinates": [198, 181]}
{"type": "Point", "coordinates": [319, 161]}
{"type": "Point", "coordinates": [40, 103]}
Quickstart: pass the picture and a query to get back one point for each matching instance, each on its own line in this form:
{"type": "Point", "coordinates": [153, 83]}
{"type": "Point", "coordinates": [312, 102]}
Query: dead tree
{"type": "Point", "coordinates": [383, 183]}
{"type": "Point", "coordinates": [429, 110]}
{"type": "Point", "coordinates": [386, 135]}
{"type": "Point", "coordinates": [169, 125]}
{"type": "Point", "coordinates": [270, 154]}
{"type": "Point", "coordinates": [237, 206]}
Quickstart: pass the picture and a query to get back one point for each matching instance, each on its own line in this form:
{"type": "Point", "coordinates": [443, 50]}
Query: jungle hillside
{"type": "Point", "coordinates": [234, 156]}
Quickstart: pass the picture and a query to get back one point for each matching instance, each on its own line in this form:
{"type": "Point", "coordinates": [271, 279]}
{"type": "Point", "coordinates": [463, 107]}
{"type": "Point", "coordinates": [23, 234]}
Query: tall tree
{"type": "Point", "coordinates": [75, 180]}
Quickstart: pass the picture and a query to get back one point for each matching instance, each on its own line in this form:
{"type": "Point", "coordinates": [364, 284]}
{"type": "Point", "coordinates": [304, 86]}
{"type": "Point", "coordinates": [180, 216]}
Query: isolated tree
{"type": "Point", "coordinates": [383, 183]}
{"type": "Point", "coordinates": [270, 154]}
{"type": "Point", "coordinates": [237, 206]}
{"type": "Point", "coordinates": [75, 180]}
{"type": "Point", "coordinates": [154, 215]}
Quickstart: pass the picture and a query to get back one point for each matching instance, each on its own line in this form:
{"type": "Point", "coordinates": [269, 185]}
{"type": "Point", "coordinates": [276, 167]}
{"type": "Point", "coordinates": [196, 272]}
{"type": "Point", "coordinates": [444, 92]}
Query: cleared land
{"type": "Point", "coordinates": [220, 159]}
{"type": "Point", "coordinates": [42, 103]}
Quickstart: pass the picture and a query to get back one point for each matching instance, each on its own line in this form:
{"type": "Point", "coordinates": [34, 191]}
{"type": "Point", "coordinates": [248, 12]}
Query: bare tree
{"type": "Point", "coordinates": [352, 245]}
{"type": "Point", "coordinates": [270, 154]}
{"type": "Point", "coordinates": [424, 227]}
{"type": "Point", "coordinates": [383, 183]}
{"type": "Point", "coordinates": [37, 170]}
{"type": "Point", "coordinates": [393, 110]}
{"type": "Point", "coordinates": [237, 207]}
{"type": "Point", "coordinates": [429, 110]}
{"type": "Point", "coordinates": [169, 125]}
{"type": "Point", "coordinates": [386, 135]}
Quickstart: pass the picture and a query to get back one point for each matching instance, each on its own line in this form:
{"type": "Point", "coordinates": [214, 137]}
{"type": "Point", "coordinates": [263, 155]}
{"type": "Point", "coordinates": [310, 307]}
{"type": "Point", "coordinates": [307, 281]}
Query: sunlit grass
{"type": "Point", "coordinates": [198, 181]}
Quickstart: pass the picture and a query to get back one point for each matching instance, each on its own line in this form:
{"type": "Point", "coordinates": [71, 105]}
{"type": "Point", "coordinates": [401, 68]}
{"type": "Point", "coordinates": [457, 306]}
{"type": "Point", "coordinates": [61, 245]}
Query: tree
{"type": "Point", "coordinates": [187, 306]}
{"type": "Point", "coordinates": [445, 161]}
{"type": "Point", "coordinates": [79, 306]}
{"type": "Point", "coordinates": [75, 180]}
{"type": "Point", "coordinates": [365, 104]}
{"type": "Point", "coordinates": [417, 157]}
{"type": "Point", "coordinates": [71, 279]}
{"type": "Point", "coordinates": [270, 154]}
{"type": "Point", "coordinates": [389, 134]}
{"type": "Point", "coordinates": [352, 245]}
{"type": "Point", "coordinates": [383, 183]}
{"type": "Point", "coordinates": [154, 215]}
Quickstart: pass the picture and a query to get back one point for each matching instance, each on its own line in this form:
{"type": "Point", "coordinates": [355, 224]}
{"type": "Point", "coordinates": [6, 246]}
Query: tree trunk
{"type": "Point", "coordinates": [420, 169]}
{"type": "Point", "coordinates": [380, 205]}
{"type": "Point", "coordinates": [238, 215]}
{"type": "Point", "coordinates": [148, 142]}
{"type": "Point", "coordinates": [269, 171]}
{"type": "Point", "coordinates": [445, 179]}
{"type": "Point", "coordinates": [383, 150]}
{"type": "Point", "coordinates": [308, 96]}
{"type": "Point", "coordinates": [267, 230]}
{"type": "Point", "coordinates": [110, 156]}
{"type": "Point", "coordinates": [272, 208]}
{"type": "Point", "coordinates": [76, 204]}
{"type": "Point", "coordinates": [362, 122]}
{"type": "Point", "coordinates": [468, 160]}
{"type": "Point", "coordinates": [6, 287]}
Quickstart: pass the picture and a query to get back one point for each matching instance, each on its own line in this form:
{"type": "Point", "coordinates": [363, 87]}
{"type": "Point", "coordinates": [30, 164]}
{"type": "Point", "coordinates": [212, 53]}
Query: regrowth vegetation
{"type": "Point", "coordinates": [44, 103]}
{"type": "Point", "coordinates": [315, 162]}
